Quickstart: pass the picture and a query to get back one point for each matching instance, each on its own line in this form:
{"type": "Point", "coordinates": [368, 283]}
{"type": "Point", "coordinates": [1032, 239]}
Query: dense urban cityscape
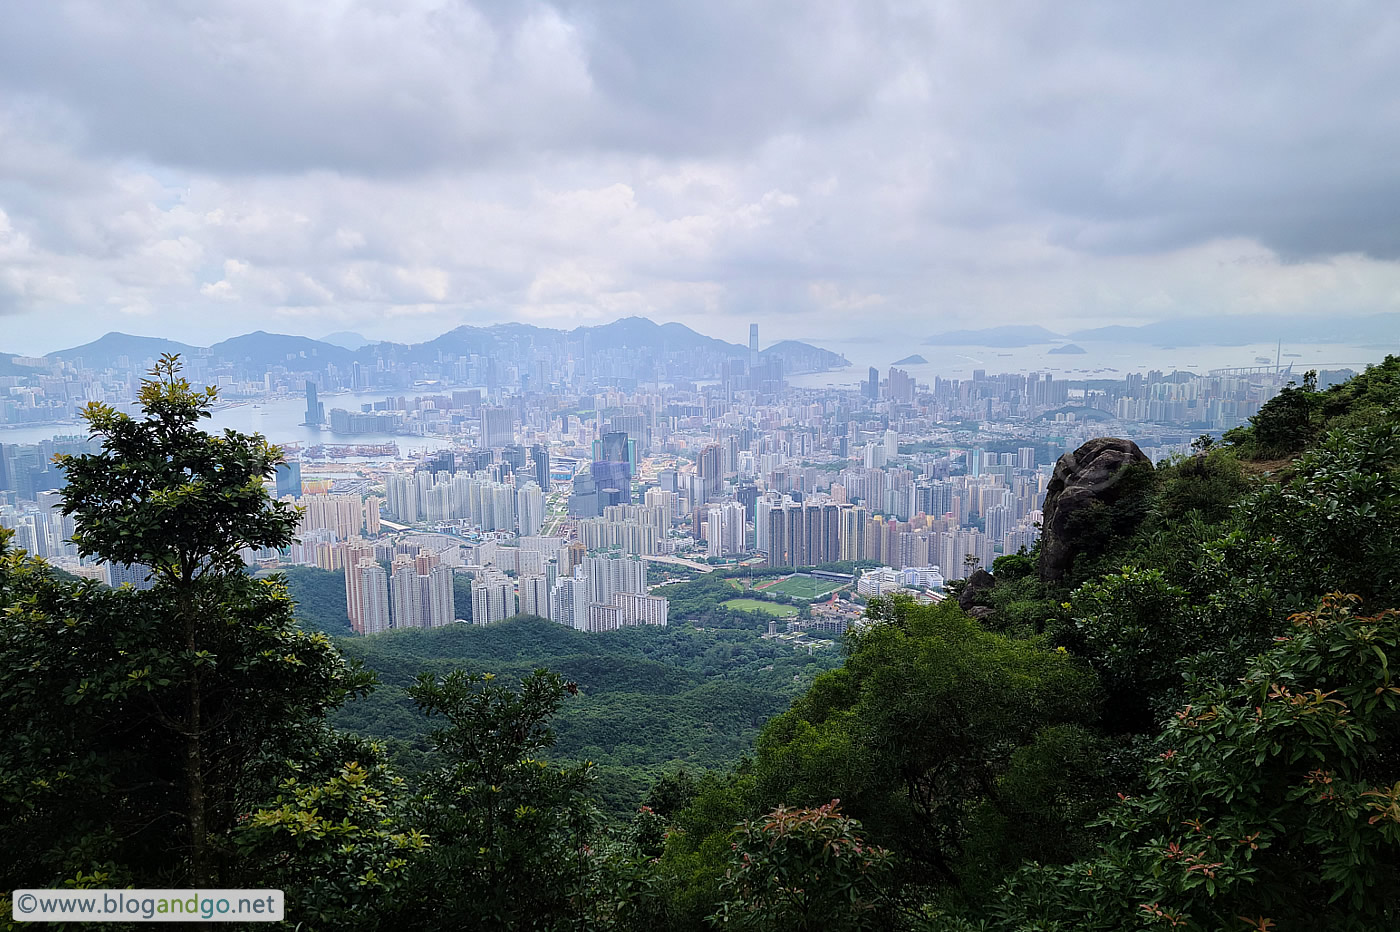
{"type": "Point", "coordinates": [562, 465]}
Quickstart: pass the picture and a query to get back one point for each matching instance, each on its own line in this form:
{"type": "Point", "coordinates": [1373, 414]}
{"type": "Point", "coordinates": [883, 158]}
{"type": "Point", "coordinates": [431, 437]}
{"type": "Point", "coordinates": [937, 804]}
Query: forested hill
{"type": "Point", "coordinates": [651, 700]}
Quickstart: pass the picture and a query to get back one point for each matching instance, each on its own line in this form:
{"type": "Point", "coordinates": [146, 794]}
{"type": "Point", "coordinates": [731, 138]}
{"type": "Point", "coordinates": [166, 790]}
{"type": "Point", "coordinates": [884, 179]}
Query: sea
{"type": "Point", "coordinates": [279, 420]}
{"type": "Point", "coordinates": [1100, 360]}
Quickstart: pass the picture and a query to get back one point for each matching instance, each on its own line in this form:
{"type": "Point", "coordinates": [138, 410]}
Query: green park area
{"type": "Point", "coordinates": [802, 586]}
{"type": "Point", "coordinates": [754, 605]}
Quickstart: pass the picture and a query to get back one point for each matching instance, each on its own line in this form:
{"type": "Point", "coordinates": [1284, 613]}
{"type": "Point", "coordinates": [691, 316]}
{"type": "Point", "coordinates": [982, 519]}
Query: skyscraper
{"type": "Point", "coordinates": [534, 596]}
{"type": "Point", "coordinates": [529, 509]}
{"type": "Point", "coordinates": [539, 459]}
{"type": "Point", "coordinates": [497, 427]}
{"type": "Point", "coordinates": [753, 346]}
{"type": "Point", "coordinates": [872, 387]}
{"type": "Point", "coordinates": [374, 598]}
{"type": "Point", "coordinates": [315, 410]}
{"type": "Point", "coordinates": [288, 478]}
{"type": "Point", "coordinates": [711, 477]}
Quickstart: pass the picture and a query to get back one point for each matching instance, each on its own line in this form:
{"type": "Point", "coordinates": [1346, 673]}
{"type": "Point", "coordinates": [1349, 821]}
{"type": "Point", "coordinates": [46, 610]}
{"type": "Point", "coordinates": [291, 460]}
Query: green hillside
{"type": "Point", "coordinates": [651, 700]}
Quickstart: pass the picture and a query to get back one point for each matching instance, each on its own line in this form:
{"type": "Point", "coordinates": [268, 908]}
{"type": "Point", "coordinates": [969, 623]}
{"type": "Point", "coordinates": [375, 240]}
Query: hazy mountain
{"type": "Point", "coordinates": [804, 357]}
{"type": "Point", "coordinates": [104, 351]}
{"type": "Point", "coordinates": [346, 338]}
{"type": "Point", "coordinates": [262, 350]}
{"type": "Point", "coordinates": [637, 332]}
{"type": "Point", "coordinates": [1261, 328]}
{"type": "Point", "coordinates": [914, 360]}
{"type": "Point", "coordinates": [265, 350]}
{"type": "Point", "coordinates": [1067, 349]}
{"type": "Point", "coordinates": [1012, 335]}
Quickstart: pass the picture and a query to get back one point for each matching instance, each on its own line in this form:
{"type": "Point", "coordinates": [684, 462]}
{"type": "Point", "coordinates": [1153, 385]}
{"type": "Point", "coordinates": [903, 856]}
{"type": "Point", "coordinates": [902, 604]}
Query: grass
{"type": "Point", "coordinates": [754, 605]}
{"type": "Point", "coordinates": [802, 586]}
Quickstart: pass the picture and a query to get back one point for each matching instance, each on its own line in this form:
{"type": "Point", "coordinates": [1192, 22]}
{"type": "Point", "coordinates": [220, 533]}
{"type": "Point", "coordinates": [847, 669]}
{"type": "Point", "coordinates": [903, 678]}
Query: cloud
{"type": "Point", "coordinates": [404, 167]}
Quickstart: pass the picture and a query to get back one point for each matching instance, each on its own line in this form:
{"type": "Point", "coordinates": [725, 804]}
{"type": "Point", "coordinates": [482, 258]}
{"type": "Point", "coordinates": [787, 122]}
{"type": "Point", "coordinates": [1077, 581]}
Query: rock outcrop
{"type": "Point", "coordinates": [1091, 475]}
{"type": "Point", "coordinates": [978, 585]}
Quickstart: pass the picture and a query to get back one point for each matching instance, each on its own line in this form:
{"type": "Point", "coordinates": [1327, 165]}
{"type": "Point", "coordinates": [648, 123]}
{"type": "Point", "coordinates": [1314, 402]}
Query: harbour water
{"type": "Point", "coordinates": [279, 420]}
{"type": "Point", "coordinates": [1099, 360]}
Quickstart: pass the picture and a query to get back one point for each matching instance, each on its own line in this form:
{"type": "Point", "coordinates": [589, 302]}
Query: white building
{"type": "Point", "coordinates": [642, 609]}
{"type": "Point", "coordinates": [529, 509]}
{"type": "Point", "coordinates": [493, 598]}
{"type": "Point", "coordinates": [374, 598]}
{"type": "Point", "coordinates": [568, 601]}
{"type": "Point", "coordinates": [609, 573]}
{"type": "Point", "coordinates": [534, 595]}
{"type": "Point", "coordinates": [878, 582]}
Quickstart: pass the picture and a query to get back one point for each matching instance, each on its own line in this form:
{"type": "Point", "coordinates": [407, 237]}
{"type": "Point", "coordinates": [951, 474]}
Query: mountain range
{"type": "Point", "coordinates": [260, 349]}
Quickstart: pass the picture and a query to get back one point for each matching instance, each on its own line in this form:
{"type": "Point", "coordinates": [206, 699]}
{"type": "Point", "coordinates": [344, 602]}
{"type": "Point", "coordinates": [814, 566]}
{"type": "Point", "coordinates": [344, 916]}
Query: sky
{"type": "Point", "coordinates": [200, 168]}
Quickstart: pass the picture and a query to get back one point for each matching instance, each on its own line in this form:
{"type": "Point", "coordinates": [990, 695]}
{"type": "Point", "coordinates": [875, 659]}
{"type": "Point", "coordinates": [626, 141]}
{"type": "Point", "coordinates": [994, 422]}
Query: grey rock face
{"type": "Point", "coordinates": [978, 583]}
{"type": "Point", "coordinates": [1091, 474]}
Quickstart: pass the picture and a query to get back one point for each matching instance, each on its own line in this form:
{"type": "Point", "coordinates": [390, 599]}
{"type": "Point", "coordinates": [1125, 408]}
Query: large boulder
{"type": "Point", "coordinates": [1090, 476]}
{"type": "Point", "coordinates": [978, 585]}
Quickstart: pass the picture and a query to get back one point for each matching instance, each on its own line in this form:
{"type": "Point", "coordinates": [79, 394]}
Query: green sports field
{"type": "Point", "coordinates": [806, 587]}
{"type": "Point", "coordinates": [754, 605]}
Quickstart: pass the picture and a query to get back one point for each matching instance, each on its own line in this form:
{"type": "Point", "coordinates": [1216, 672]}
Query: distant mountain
{"type": "Point", "coordinates": [346, 338]}
{"type": "Point", "coordinates": [1069, 349]}
{"type": "Point", "coordinates": [1008, 336]}
{"type": "Point", "coordinates": [915, 360]}
{"type": "Point", "coordinates": [804, 357]}
{"type": "Point", "coordinates": [265, 350]}
{"type": "Point", "coordinates": [1254, 328]}
{"type": "Point", "coordinates": [104, 351]}
{"type": "Point", "coordinates": [675, 344]}
{"type": "Point", "coordinates": [632, 332]}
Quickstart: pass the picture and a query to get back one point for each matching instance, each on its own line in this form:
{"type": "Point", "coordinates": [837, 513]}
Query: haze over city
{"type": "Point", "coordinates": [825, 169]}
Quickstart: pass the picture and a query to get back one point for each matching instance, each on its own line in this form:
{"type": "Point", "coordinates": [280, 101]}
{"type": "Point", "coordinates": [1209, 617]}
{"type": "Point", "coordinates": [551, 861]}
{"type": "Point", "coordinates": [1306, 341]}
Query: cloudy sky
{"type": "Point", "coordinates": [200, 168]}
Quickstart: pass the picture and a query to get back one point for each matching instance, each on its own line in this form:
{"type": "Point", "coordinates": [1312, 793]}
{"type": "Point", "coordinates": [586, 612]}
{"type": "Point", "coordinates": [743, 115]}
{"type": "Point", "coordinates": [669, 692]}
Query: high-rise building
{"type": "Point", "coordinates": [493, 599]}
{"type": "Point", "coordinates": [534, 596]}
{"type": "Point", "coordinates": [497, 427]}
{"type": "Point", "coordinates": [539, 460]}
{"type": "Point", "coordinates": [614, 572]}
{"type": "Point", "coordinates": [753, 346]}
{"type": "Point", "coordinates": [568, 601]}
{"type": "Point", "coordinates": [710, 468]}
{"type": "Point", "coordinates": [642, 609]}
{"type": "Point", "coordinates": [441, 608]}
{"type": "Point", "coordinates": [529, 509]}
{"type": "Point", "coordinates": [603, 617]}
{"type": "Point", "coordinates": [315, 410]}
{"type": "Point", "coordinates": [872, 386]}
{"type": "Point", "coordinates": [288, 478]}
{"type": "Point", "coordinates": [350, 556]}
{"type": "Point", "coordinates": [583, 501]}
{"type": "Point", "coordinates": [135, 575]}
{"type": "Point", "coordinates": [613, 482]}
{"type": "Point", "coordinates": [374, 599]}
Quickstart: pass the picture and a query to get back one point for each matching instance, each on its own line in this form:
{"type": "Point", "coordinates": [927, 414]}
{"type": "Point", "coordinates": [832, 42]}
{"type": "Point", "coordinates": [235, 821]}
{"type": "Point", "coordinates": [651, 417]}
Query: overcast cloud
{"type": "Point", "coordinates": [201, 168]}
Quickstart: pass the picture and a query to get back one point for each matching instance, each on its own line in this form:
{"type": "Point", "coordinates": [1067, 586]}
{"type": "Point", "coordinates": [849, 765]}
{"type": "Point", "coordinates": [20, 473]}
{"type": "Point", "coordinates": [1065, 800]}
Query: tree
{"type": "Point", "coordinates": [805, 870]}
{"type": "Point", "coordinates": [917, 732]}
{"type": "Point", "coordinates": [510, 832]}
{"type": "Point", "coordinates": [1271, 802]}
{"type": "Point", "coordinates": [141, 726]}
{"type": "Point", "coordinates": [336, 843]}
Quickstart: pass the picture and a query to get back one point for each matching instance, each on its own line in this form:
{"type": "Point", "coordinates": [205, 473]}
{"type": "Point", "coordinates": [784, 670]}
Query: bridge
{"type": "Point", "coordinates": [1244, 371]}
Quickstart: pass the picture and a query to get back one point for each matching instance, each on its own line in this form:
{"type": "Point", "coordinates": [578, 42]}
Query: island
{"type": "Point", "coordinates": [915, 360]}
{"type": "Point", "coordinates": [1067, 349]}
